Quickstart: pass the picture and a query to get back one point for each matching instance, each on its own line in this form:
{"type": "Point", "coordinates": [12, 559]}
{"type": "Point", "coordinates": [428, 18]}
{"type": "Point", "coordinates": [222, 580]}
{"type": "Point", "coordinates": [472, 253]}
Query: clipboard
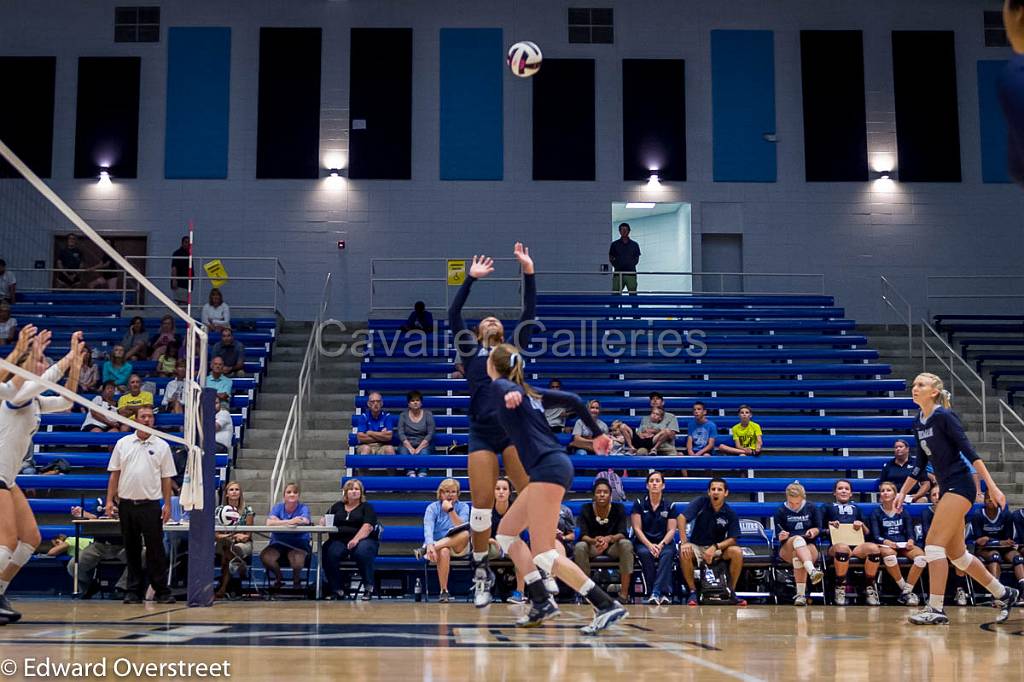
{"type": "Point", "coordinates": [846, 535]}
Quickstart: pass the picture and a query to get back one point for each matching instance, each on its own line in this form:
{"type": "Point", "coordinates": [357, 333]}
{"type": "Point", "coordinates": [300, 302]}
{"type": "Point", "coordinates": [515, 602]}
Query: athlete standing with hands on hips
{"type": "Point", "coordinates": [941, 439]}
{"type": "Point", "coordinates": [520, 409]}
{"type": "Point", "coordinates": [486, 437]}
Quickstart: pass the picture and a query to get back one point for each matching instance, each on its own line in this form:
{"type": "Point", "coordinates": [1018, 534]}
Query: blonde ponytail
{"type": "Point", "coordinates": [510, 364]}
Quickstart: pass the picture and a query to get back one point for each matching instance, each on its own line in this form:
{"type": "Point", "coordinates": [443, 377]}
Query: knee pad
{"type": "Point", "coordinates": [994, 558]}
{"type": "Point", "coordinates": [921, 561]}
{"type": "Point", "coordinates": [1018, 560]}
{"type": "Point", "coordinates": [799, 542]}
{"type": "Point", "coordinates": [479, 520]}
{"type": "Point", "coordinates": [891, 560]}
{"type": "Point", "coordinates": [877, 558]}
{"type": "Point", "coordinates": [842, 557]}
{"type": "Point", "coordinates": [545, 561]}
{"type": "Point", "coordinates": [934, 553]}
{"type": "Point", "coordinates": [505, 541]}
{"type": "Point", "coordinates": [797, 563]}
{"type": "Point", "coordinates": [22, 554]}
{"type": "Point", "coordinates": [963, 562]}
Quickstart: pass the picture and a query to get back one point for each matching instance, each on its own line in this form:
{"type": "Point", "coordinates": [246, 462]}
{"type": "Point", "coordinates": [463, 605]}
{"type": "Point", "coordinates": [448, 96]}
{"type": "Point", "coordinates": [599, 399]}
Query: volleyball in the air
{"type": "Point", "coordinates": [524, 59]}
{"type": "Point", "coordinates": [227, 516]}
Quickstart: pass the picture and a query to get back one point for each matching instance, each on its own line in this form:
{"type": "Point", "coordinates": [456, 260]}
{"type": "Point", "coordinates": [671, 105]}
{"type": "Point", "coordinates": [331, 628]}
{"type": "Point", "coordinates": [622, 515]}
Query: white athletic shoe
{"type": "Point", "coordinates": [908, 598]}
{"type": "Point", "coordinates": [1009, 601]}
{"type": "Point", "coordinates": [840, 595]}
{"type": "Point", "coordinates": [961, 597]}
{"type": "Point", "coordinates": [872, 595]}
{"type": "Point", "coordinates": [815, 576]}
{"type": "Point", "coordinates": [550, 585]}
{"type": "Point", "coordinates": [800, 600]}
{"type": "Point", "coordinates": [604, 619]}
{"type": "Point", "coordinates": [929, 616]}
{"type": "Point", "coordinates": [483, 581]}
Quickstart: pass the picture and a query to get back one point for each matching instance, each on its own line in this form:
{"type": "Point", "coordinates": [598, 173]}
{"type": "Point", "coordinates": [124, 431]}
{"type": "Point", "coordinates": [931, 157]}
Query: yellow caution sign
{"type": "Point", "coordinates": [456, 272]}
{"type": "Point", "coordinates": [217, 273]}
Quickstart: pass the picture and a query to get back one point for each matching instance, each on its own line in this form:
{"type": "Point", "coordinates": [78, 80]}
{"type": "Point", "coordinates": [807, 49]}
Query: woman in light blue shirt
{"type": "Point", "coordinates": [445, 532]}
{"type": "Point", "coordinates": [295, 546]}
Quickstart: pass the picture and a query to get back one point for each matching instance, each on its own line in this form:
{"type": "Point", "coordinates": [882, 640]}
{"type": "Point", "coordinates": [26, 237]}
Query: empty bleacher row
{"type": "Point", "coordinates": [994, 343]}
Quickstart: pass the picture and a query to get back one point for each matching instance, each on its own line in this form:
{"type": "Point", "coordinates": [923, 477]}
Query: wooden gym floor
{"type": "Point", "coordinates": [409, 641]}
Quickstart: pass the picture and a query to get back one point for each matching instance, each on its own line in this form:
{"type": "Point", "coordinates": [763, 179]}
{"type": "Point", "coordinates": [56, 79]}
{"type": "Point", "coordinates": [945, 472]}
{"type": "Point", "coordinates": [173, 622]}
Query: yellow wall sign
{"type": "Point", "coordinates": [456, 272]}
{"type": "Point", "coordinates": [217, 273]}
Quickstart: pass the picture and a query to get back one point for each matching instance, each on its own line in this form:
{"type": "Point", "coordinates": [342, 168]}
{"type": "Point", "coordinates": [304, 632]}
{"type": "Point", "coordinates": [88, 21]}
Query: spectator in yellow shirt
{"type": "Point", "coordinates": [136, 398]}
{"type": "Point", "coordinates": [746, 436]}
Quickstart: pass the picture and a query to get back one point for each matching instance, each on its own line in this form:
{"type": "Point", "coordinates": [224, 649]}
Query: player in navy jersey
{"type": "Point", "coordinates": [844, 511]}
{"type": "Point", "coordinates": [520, 411]}
{"type": "Point", "coordinates": [486, 437]}
{"type": "Point", "coordinates": [1017, 518]}
{"type": "Point", "coordinates": [1011, 87]}
{"type": "Point", "coordinates": [893, 532]}
{"type": "Point", "coordinates": [992, 528]}
{"type": "Point", "coordinates": [797, 526]}
{"type": "Point", "coordinates": [941, 440]}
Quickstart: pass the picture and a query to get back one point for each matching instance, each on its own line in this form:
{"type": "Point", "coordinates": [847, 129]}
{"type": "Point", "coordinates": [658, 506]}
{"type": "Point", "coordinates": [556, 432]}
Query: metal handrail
{"type": "Point", "coordinates": [311, 359]}
{"type": "Point", "coordinates": [288, 447]}
{"type": "Point", "coordinates": [888, 287]}
{"type": "Point", "coordinates": [1005, 431]}
{"type": "Point", "coordinates": [440, 279]}
{"type": "Point", "coordinates": [962, 285]}
{"type": "Point", "coordinates": [954, 378]}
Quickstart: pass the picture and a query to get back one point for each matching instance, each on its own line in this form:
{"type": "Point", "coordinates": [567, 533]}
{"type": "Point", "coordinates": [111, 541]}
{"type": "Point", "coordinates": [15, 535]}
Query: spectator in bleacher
{"type": "Point", "coordinates": [555, 416]}
{"type": "Point", "coordinates": [993, 536]}
{"type": "Point", "coordinates": [654, 533]}
{"type": "Point", "coordinates": [565, 532]}
{"type": "Point", "coordinates": [117, 368]}
{"type": "Point", "coordinates": [1017, 519]}
{"type": "Point", "coordinates": [619, 434]}
{"type": "Point", "coordinates": [218, 381]}
{"type": "Point", "coordinates": [232, 352]}
{"type": "Point", "coordinates": [445, 532]}
{"type": "Point", "coordinates": [136, 340]}
{"type": "Point", "coordinates": [90, 377]}
{"type": "Point", "coordinates": [844, 511]}
{"type": "Point", "coordinates": [106, 271]}
{"type": "Point", "coordinates": [129, 404]}
{"type": "Point", "coordinates": [657, 433]}
{"type": "Point", "coordinates": [167, 363]}
{"type": "Point", "coordinates": [216, 313]}
{"type": "Point", "coordinates": [959, 579]}
{"type": "Point", "coordinates": [357, 539]}
{"type": "Point", "coordinates": [8, 324]}
{"type": "Point", "coordinates": [8, 284]}
{"type": "Point", "coordinates": [503, 498]}
{"type": "Point", "coordinates": [97, 420]}
{"type": "Point", "coordinates": [714, 536]}
{"type": "Point", "coordinates": [420, 319]}
{"type": "Point", "coordinates": [582, 439]}
{"type": "Point", "coordinates": [68, 264]}
{"type": "Point", "coordinates": [179, 271]}
{"type": "Point", "coordinates": [164, 337]}
{"type": "Point", "coordinates": [374, 428]}
{"type": "Point", "coordinates": [141, 468]}
{"type": "Point", "coordinates": [602, 526]}
{"type": "Point", "coordinates": [289, 512]}
{"type": "Point", "coordinates": [624, 255]}
{"type": "Point", "coordinates": [746, 436]}
{"type": "Point", "coordinates": [701, 432]}
{"type": "Point", "coordinates": [893, 532]}
{"type": "Point", "coordinates": [225, 427]}
{"type": "Point", "coordinates": [416, 430]}
{"type": "Point", "coordinates": [174, 391]}
{"type": "Point", "coordinates": [797, 526]}
{"type": "Point", "coordinates": [233, 548]}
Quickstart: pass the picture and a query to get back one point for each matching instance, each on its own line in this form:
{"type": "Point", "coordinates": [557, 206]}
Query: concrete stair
{"type": "Point", "coordinates": [324, 443]}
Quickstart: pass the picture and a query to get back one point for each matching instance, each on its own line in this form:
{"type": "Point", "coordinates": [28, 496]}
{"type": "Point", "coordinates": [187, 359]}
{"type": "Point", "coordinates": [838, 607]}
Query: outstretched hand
{"type": "Point", "coordinates": [522, 254]}
{"type": "Point", "coordinates": [602, 444]}
{"type": "Point", "coordinates": [481, 267]}
{"type": "Point", "coordinates": [25, 337]}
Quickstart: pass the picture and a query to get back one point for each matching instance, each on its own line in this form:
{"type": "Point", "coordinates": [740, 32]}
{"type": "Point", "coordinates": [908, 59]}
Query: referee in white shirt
{"type": "Point", "coordinates": [141, 468]}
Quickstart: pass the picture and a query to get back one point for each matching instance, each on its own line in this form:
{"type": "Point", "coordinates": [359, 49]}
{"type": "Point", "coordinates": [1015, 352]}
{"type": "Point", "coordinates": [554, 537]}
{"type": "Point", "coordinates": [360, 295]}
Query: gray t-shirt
{"type": "Point", "coordinates": [668, 421]}
{"type": "Point", "coordinates": [580, 429]}
{"type": "Point", "coordinates": [555, 417]}
{"type": "Point", "coordinates": [7, 280]}
{"type": "Point", "coordinates": [416, 432]}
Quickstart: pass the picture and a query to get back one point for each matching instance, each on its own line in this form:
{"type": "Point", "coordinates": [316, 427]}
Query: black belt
{"type": "Point", "coordinates": [139, 502]}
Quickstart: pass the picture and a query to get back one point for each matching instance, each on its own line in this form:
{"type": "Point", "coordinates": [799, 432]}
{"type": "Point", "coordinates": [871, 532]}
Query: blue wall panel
{"type": "Point", "coordinates": [198, 79]}
{"type": "Point", "coordinates": [743, 105]}
{"type": "Point", "coordinates": [472, 71]}
{"type": "Point", "coordinates": [994, 143]}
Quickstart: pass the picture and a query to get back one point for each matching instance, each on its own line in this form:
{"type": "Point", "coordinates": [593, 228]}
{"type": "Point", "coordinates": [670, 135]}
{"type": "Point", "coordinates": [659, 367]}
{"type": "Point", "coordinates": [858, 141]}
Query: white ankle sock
{"type": "Point", "coordinates": [809, 565]}
{"type": "Point", "coordinates": [937, 601]}
{"type": "Point", "coordinates": [801, 588]}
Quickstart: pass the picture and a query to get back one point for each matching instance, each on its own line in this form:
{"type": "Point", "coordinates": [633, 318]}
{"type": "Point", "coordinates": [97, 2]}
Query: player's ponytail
{"type": "Point", "coordinates": [510, 364]}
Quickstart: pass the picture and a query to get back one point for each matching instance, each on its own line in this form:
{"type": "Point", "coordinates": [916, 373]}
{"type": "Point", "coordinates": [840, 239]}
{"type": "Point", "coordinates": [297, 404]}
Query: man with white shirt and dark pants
{"type": "Point", "coordinates": [141, 468]}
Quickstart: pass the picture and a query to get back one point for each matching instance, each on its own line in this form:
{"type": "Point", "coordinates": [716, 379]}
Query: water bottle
{"type": "Point", "coordinates": [418, 591]}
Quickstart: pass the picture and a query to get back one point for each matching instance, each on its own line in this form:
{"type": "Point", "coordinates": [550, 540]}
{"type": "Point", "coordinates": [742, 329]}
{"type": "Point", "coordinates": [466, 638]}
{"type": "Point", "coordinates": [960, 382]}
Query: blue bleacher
{"type": "Point", "coordinates": [665, 386]}
{"type": "Point", "coordinates": [546, 312]}
{"type": "Point", "coordinates": [679, 368]}
{"type": "Point", "coordinates": [682, 405]}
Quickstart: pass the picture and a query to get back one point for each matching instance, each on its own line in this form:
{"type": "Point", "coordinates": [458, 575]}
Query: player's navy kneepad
{"type": "Point", "coordinates": [995, 558]}
{"type": "Point", "coordinates": [842, 556]}
{"type": "Point", "coordinates": [877, 558]}
{"type": "Point", "coordinates": [1018, 560]}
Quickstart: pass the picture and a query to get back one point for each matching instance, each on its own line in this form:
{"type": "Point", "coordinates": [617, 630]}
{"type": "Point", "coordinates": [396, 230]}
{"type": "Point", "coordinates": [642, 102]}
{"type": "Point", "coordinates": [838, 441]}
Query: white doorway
{"type": "Point", "coordinates": [663, 232]}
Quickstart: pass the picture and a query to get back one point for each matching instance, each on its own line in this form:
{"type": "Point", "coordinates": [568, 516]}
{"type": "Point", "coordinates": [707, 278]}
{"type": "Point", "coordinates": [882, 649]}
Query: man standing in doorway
{"type": "Point", "coordinates": [179, 271]}
{"type": "Point", "coordinates": [624, 254]}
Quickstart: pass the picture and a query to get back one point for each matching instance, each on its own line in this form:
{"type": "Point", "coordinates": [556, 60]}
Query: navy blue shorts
{"type": "Point", "coordinates": [959, 485]}
{"type": "Point", "coordinates": [487, 437]}
{"type": "Point", "coordinates": [553, 467]}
